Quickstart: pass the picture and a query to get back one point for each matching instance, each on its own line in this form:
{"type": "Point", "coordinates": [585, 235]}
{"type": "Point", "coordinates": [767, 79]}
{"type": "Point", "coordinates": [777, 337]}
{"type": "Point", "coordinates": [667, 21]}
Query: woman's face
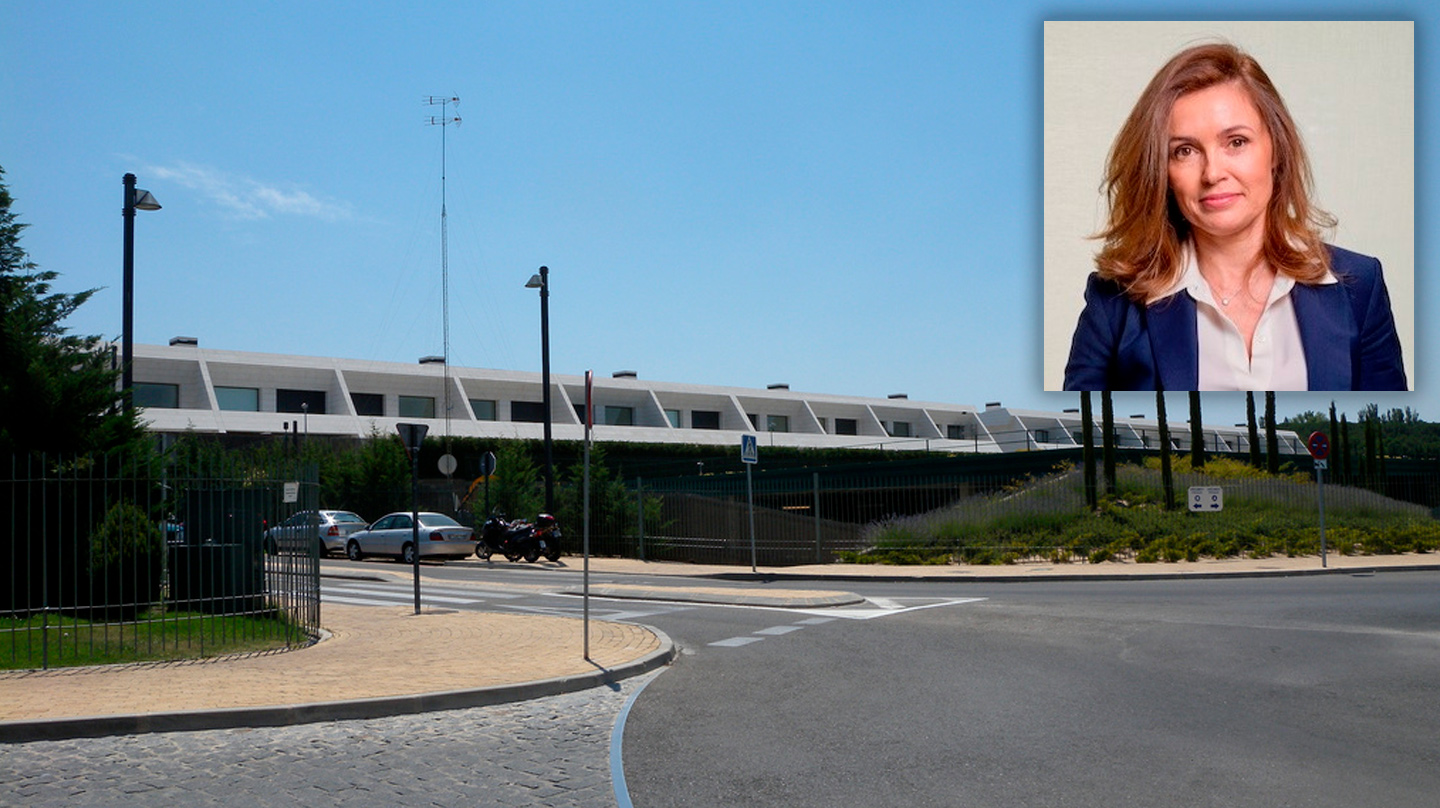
{"type": "Point", "coordinates": [1221, 163]}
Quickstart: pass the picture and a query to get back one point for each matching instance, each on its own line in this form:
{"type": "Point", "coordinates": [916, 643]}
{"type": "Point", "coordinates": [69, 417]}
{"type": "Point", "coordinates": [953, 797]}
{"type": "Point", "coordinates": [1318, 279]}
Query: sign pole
{"type": "Point", "coordinates": [750, 495]}
{"type": "Point", "coordinates": [413, 435]}
{"type": "Point", "coordinates": [1320, 494]}
{"type": "Point", "coordinates": [1319, 446]}
{"type": "Point", "coordinates": [589, 428]}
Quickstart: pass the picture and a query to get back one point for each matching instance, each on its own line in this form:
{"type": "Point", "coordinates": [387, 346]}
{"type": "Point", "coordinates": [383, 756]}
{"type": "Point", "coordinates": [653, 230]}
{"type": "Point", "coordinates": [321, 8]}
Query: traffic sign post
{"type": "Point", "coordinates": [413, 435]}
{"type": "Point", "coordinates": [750, 455]}
{"type": "Point", "coordinates": [1319, 445]}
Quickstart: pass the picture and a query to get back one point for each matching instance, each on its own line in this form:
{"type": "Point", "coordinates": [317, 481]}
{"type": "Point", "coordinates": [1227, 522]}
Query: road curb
{"type": "Point", "coordinates": [57, 729]}
{"type": "Point", "coordinates": [679, 594]}
{"type": "Point", "coordinates": [767, 577]}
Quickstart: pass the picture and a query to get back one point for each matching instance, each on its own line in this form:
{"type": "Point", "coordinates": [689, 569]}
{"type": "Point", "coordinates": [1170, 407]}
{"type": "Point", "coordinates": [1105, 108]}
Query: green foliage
{"type": "Point", "coordinates": [127, 534]}
{"type": "Point", "coordinates": [58, 391]}
{"type": "Point", "coordinates": [371, 480]}
{"type": "Point", "coordinates": [126, 557]}
{"type": "Point", "coordinates": [1264, 515]}
{"type": "Point", "coordinates": [518, 487]}
{"type": "Point", "coordinates": [154, 636]}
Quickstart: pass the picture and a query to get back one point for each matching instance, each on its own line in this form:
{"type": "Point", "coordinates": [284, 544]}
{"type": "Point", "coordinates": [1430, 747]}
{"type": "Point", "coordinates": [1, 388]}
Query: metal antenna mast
{"type": "Point", "coordinates": [443, 120]}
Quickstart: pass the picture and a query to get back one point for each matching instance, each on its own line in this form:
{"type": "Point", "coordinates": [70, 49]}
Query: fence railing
{"type": "Point", "coordinates": [114, 559]}
{"type": "Point", "coordinates": [868, 515]}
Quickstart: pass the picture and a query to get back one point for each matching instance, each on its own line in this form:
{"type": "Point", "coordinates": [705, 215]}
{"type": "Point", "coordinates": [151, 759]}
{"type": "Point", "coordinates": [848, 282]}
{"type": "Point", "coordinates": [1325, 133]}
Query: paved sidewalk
{"type": "Point", "coordinates": [376, 661]}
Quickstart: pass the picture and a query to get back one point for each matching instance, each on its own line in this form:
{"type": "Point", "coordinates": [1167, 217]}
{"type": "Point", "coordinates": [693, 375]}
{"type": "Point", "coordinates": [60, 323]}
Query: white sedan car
{"type": "Point", "coordinates": [392, 535]}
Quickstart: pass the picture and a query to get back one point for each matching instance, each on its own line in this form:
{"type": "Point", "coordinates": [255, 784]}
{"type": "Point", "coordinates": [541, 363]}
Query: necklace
{"type": "Point", "coordinates": [1224, 298]}
{"type": "Point", "coordinates": [1244, 286]}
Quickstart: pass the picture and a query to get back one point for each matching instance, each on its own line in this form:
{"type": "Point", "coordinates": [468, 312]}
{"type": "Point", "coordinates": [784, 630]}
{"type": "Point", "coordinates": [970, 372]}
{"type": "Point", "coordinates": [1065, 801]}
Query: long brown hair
{"type": "Point", "coordinates": [1145, 231]}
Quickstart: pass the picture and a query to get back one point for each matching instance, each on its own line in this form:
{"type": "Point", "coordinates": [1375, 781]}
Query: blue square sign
{"type": "Point", "coordinates": [749, 449]}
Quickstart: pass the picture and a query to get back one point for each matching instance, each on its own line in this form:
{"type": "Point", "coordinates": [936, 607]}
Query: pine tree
{"type": "Point", "coordinates": [58, 391]}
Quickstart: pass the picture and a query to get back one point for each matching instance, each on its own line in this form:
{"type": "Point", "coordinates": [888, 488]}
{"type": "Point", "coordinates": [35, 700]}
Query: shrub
{"type": "Point", "coordinates": [126, 557]}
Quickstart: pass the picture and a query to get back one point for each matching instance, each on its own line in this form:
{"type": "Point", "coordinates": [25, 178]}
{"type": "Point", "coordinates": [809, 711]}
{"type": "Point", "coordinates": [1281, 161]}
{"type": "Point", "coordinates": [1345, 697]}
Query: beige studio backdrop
{"type": "Point", "coordinates": [1349, 86]}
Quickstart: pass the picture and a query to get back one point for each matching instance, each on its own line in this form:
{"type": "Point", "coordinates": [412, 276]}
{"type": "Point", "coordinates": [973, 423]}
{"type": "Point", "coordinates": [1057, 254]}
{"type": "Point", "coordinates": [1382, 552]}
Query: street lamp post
{"type": "Point", "coordinates": [541, 281]}
{"type": "Point", "coordinates": [135, 199]}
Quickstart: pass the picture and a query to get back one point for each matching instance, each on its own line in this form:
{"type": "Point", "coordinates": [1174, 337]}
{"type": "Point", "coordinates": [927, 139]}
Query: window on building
{"type": "Point", "coordinates": [754, 420]}
{"type": "Point", "coordinates": [580, 412]}
{"type": "Point", "coordinates": [238, 399]}
{"type": "Point", "coordinates": [899, 429]}
{"type": "Point", "coordinates": [847, 426]}
{"type": "Point", "coordinates": [485, 409]}
{"type": "Point", "coordinates": [530, 412]}
{"type": "Point", "coordinates": [417, 407]}
{"type": "Point", "coordinates": [620, 416]}
{"type": "Point", "coordinates": [1042, 436]}
{"type": "Point", "coordinates": [299, 400]}
{"type": "Point", "coordinates": [704, 419]}
{"type": "Point", "coordinates": [673, 416]}
{"type": "Point", "coordinates": [1078, 437]}
{"type": "Point", "coordinates": [777, 423]}
{"type": "Point", "coordinates": [955, 431]}
{"type": "Point", "coordinates": [154, 395]}
{"type": "Point", "coordinates": [372, 404]}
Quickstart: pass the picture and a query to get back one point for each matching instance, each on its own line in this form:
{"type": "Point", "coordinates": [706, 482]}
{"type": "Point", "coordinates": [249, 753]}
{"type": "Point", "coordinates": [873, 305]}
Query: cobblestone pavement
{"type": "Point", "coordinates": [546, 752]}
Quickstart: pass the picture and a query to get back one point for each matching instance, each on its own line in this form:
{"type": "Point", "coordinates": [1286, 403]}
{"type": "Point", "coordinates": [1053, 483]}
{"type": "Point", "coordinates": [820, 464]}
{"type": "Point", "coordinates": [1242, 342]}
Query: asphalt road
{"type": "Point", "coordinates": [1291, 691]}
{"type": "Point", "coordinates": [1315, 691]}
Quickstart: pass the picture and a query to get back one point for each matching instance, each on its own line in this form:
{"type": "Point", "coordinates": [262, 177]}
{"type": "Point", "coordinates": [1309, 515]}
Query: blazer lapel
{"type": "Point", "coordinates": [1174, 343]}
{"type": "Point", "coordinates": [1327, 332]}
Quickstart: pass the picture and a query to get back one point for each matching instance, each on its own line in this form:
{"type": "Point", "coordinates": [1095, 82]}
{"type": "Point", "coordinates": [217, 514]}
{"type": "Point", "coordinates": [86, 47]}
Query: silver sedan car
{"type": "Point", "coordinates": [329, 528]}
{"type": "Point", "coordinates": [391, 535]}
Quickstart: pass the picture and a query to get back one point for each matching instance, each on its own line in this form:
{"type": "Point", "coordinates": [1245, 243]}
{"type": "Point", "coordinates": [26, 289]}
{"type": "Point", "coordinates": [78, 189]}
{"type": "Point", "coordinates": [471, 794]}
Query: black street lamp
{"type": "Point", "coordinates": [135, 199]}
{"type": "Point", "coordinates": [541, 281]}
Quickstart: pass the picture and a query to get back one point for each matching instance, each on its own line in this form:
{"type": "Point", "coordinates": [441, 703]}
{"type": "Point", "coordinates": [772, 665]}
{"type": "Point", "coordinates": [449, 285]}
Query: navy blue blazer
{"type": "Point", "coordinates": [1346, 329]}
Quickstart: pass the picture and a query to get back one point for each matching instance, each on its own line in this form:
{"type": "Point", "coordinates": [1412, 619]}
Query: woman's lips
{"type": "Point", "coordinates": [1218, 201]}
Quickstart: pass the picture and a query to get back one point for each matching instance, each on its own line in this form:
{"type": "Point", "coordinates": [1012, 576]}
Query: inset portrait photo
{"type": "Point", "coordinates": [1229, 206]}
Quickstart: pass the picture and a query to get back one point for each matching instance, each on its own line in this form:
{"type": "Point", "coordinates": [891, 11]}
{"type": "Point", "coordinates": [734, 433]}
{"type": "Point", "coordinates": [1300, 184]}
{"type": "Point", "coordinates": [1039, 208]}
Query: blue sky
{"type": "Point", "coordinates": [845, 197]}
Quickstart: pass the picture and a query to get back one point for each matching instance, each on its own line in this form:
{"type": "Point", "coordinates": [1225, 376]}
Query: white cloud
{"type": "Point", "coordinates": [245, 198]}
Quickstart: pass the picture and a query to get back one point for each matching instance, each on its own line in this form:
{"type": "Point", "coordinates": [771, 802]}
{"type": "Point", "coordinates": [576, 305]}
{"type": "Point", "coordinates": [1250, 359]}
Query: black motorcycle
{"type": "Point", "coordinates": [519, 539]}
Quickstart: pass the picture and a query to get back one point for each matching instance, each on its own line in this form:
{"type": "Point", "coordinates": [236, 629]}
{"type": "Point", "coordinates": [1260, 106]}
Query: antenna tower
{"type": "Point", "coordinates": [444, 120]}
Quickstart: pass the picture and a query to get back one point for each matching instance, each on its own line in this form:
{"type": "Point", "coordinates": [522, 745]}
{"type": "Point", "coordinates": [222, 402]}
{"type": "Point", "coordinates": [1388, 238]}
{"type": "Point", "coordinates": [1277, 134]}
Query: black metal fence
{"type": "Point", "coordinates": [114, 559]}
{"type": "Point", "coordinates": [967, 511]}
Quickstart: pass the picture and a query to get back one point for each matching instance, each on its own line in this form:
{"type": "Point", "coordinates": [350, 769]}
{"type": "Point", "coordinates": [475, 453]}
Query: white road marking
{"type": "Point", "coordinates": [775, 631]}
{"type": "Point", "coordinates": [356, 601]}
{"type": "Point", "coordinates": [736, 642]}
{"type": "Point", "coordinates": [425, 595]}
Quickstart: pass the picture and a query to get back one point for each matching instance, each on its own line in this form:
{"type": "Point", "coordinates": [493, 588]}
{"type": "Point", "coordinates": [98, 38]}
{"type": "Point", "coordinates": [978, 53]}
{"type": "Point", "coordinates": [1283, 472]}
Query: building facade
{"type": "Point", "coordinates": [185, 388]}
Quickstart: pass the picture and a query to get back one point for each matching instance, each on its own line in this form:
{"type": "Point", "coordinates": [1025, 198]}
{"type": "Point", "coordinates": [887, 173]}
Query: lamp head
{"type": "Point", "coordinates": [535, 282]}
{"type": "Point", "coordinates": [145, 201]}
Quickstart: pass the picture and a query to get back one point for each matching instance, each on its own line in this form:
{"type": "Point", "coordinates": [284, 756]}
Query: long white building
{"type": "Point", "coordinates": [183, 387]}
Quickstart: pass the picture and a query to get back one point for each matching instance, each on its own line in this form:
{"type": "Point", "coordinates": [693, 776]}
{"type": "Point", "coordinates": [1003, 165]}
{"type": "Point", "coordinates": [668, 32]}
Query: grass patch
{"type": "Point", "coordinates": [155, 636]}
{"type": "Point", "coordinates": [1046, 519]}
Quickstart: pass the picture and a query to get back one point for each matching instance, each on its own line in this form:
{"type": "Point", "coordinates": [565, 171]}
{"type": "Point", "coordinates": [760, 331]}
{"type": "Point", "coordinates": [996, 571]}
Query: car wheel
{"type": "Point", "coordinates": [407, 553]}
{"type": "Point", "coordinates": [352, 551]}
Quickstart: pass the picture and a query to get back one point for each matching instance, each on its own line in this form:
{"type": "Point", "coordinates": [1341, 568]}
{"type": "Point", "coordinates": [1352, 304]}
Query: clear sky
{"type": "Point", "coordinates": [841, 196]}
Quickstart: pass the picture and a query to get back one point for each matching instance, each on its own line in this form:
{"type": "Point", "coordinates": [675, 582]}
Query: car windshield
{"type": "Point", "coordinates": [346, 516]}
{"type": "Point", "coordinates": [437, 520]}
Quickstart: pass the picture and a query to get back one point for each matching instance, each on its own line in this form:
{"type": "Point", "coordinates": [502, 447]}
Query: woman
{"type": "Point", "coordinates": [1213, 274]}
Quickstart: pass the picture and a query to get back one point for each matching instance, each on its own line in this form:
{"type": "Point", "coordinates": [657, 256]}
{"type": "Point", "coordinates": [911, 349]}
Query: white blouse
{"type": "Point", "coordinates": [1276, 360]}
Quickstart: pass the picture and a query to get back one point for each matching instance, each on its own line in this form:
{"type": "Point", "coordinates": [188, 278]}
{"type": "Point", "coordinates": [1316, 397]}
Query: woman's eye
{"type": "Point", "coordinates": [1181, 152]}
{"type": "Point", "coordinates": [1238, 142]}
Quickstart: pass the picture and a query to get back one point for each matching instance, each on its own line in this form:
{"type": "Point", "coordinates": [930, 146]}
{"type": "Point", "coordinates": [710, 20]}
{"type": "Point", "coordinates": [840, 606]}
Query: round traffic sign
{"type": "Point", "coordinates": [447, 464]}
{"type": "Point", "coordinates": [1319, 445]}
